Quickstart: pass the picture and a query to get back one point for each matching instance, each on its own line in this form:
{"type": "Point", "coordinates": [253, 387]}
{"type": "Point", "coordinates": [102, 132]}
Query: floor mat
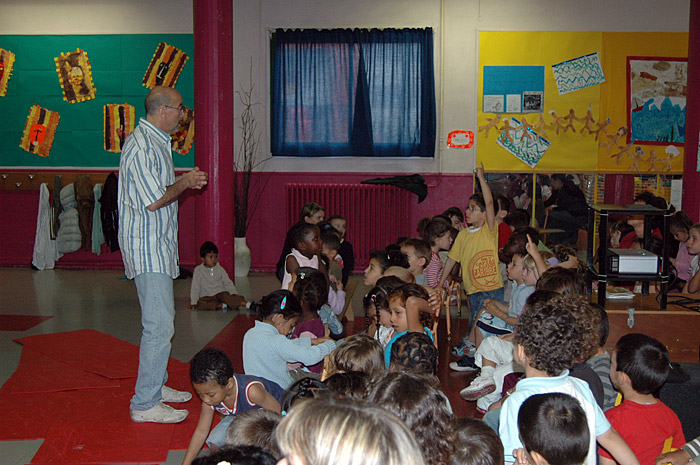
{"type": "Point", "coordinates": [83, 417]}
{"type": "Point", "coordinates": [21, 322]}
{"type": "Point", "coordinates": [85, 349]}
{"type": "Point", "coordinates": [38, 373]}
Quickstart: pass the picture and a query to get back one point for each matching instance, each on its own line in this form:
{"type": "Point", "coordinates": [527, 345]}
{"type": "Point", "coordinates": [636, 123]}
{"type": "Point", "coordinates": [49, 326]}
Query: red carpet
{"type": "Point", "coordinates": [20, 322]}
{"type": "Point", "coordinates": [55, 394]}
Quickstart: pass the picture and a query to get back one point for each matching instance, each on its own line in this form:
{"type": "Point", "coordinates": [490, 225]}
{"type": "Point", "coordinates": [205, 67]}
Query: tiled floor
{"type": "Point", "coordinates": [104, 301]}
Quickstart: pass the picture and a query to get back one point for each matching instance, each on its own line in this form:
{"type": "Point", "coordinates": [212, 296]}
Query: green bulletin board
{"type": "Point", "coordinates": [118, 64]}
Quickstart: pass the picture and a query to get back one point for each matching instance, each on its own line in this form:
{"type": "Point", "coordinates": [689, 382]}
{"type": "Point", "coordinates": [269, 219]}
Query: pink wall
{"type": "Point", "coordinates": [265, 235]}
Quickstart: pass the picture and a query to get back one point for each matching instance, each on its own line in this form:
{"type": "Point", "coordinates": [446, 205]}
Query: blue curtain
{"type": "Point", "coordinates": [353, 92]}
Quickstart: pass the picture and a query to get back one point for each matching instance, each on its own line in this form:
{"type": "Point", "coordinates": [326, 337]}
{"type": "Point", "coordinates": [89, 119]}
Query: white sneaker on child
{"type": "Point", "coordinates": [159, 413]}
{"type": "Point", "coordinates": [483, 403]}
{"type": "Point", "coordinates": [169, 394]}
{"type": "Point", "coordinates": [478, 388]}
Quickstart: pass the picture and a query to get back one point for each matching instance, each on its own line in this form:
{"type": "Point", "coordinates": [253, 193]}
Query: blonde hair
{"type": "Point", "coordinates": [346, 432]}
{"type": "Point", "coordinates": [529, 262]}
{"type": "Point", "coordinates": [360, 352]}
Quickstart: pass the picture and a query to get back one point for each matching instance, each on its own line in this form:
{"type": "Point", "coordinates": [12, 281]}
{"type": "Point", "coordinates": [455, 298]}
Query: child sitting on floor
{"type": "Point", "coordinates": [549, 338]}
{"type": "Point", "coordinates": [380, 261]}
{"type": "Point", "coordinates": [640, 365]}
{"type": "Point", "coordinates": [377, 310]}
{"type": "Point", "coordinates": [346, 251]}
{"type": "Point", "coordinates": [542, 418]}
{"type": "Point", "coordinates": [254, 428]}
{"type": "Point", "coordinates": [475, 443]}
{"type": "Point", "coordinates": [307, 246]}
{"type": "Point", "coordinates": [211, 287]}
{"type": "Point", "coordinates": [227, 393]}
{"type": "Point", "coordinates": [410, 311]}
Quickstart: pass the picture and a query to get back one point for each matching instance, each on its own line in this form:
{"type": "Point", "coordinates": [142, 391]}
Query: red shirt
{"type": "Point", "coordinates": [645, 428]}
{"type": "Point", "coordinates": [504, 233]}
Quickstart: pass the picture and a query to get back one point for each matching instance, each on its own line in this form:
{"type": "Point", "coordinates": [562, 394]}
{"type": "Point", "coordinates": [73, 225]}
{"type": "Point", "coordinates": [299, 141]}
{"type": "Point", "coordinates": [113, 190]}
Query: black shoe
{"type": "Point", "coordinates": [464, 364]}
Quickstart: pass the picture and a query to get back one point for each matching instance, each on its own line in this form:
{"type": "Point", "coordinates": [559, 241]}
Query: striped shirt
{"type": "Point", "coordinates": [693, 449]}
{"type": "Point", "coordinates": [148, 240]}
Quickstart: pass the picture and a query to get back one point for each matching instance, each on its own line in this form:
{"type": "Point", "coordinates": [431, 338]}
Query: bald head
{"type": "Point", "coordinates": [159, 96]}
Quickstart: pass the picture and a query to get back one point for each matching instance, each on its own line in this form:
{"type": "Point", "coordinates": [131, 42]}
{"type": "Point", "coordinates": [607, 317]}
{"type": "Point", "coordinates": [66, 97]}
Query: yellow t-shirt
{"type": "Point", "coordinates": [477, 252]}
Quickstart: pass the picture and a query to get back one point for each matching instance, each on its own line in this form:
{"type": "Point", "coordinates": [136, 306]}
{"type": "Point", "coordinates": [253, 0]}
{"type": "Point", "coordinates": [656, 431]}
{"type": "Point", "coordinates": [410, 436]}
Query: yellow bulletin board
{"type": "Point", "coordinates": [572, 151]}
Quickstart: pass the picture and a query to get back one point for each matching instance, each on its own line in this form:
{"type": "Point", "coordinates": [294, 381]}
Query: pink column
{"type": "Point", "coordinates": [213, 104]}
{"type": "Point", "coordinates": [691, 177]}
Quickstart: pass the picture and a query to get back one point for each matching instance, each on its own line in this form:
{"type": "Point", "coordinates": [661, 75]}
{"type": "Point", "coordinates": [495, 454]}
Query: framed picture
{"type": "Point", "coordinates": [656, 95]}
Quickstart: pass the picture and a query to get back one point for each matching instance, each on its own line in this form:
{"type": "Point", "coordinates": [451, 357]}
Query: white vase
{"type": "Point", "coordinates": [241, 257]}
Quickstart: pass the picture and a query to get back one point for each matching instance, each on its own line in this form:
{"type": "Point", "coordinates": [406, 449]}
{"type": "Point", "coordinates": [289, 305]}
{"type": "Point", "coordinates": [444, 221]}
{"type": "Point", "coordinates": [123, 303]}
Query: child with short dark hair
{"type": "Point", "coordinates": [359, 352]}
{"type": "Point", "coordinates": [481, 277]}
{"type": "Point", "coordinates": [306, 238]}
{"type": "Point", "coordinates": [227, 393]}
{"type": "Point", "coordinates": [254, 428]}
{"type": "Point", "coordinates": [502, 205]}
{"type": "Point", "coordinates": [239, 455]}
{"type": "Point", "coordinates": [640, 366]}
{"type": "Point", "coordinates": [475, 444]}
{"type": "Point", "coordinates": [549, 338]}
{"type": "Point", "coordinates": [455, 216]}
{"type": "Point", "coordinates": [211, 287]}
{"type": "Point", "coordinates": [418, 254]}
{"type": "Point", "coordinates": [330, 245]}
{"type": "Point", "coordinates": [554, 430]}
{"type": "Point", "coordinates": [350, 385]}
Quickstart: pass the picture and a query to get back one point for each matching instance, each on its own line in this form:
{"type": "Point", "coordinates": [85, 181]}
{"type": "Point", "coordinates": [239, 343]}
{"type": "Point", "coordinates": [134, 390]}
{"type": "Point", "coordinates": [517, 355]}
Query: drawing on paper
{"type": "Point", "coordinates": [528, 147]}
{"type": "Point", "coordinates": [578, 73]}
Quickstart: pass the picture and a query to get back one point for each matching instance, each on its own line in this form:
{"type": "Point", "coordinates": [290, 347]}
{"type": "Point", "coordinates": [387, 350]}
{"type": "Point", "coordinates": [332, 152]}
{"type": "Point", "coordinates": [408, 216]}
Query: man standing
{"type": "Point", "coordinates": [148, 193]}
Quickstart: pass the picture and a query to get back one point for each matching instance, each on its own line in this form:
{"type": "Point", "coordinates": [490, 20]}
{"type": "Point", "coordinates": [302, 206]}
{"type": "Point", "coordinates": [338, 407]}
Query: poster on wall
{"type": "Point", "coordinates": [7, 60]}
{"type": "Point", "coordinates": [183, 137]}
{"type": "Point", "coordinates": [165, 67]}
{"type": "Point", "coordinates": [75, 76]}
{"type": "Point", "coordinates": [39, 131]}
{"type": "Point", "coordinates": [119, 123]}
{"type": "Point", "coordinates": [524, 143]}
{"type": "Point", "coordinates": [657, 89]}
{"type": "Point", "coordinates": [578, 73]}
{"type": "Point", "coordinates": [513, 89]}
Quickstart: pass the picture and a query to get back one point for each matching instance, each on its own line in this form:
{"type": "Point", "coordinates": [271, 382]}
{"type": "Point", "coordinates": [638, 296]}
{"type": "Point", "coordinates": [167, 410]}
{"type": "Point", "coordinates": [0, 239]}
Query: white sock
{"type": "Point", "coordinates": [488, 371]}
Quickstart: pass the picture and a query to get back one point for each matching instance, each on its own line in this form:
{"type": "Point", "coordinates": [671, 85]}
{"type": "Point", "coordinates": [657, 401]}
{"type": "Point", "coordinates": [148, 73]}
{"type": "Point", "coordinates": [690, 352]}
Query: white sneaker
{"type": "Point", "coordinates": [171, 395]}
{"type": "Point", "coordinates": [481, 386]}
{"type": "Point", "coordinates": [159, 413]}
{"type": "Point", "coordinates": [483, 403]}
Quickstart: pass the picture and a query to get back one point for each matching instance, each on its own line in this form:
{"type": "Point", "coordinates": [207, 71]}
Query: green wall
{"type": "Point", "coordinates": [118, 64]}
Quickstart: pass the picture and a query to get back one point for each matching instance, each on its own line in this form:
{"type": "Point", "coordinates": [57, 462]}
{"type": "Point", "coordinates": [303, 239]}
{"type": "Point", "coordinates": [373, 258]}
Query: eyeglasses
{"type": "Point", "coordinates": [182, 109]}
{"type": "Point", "coordinates": [474, 209]}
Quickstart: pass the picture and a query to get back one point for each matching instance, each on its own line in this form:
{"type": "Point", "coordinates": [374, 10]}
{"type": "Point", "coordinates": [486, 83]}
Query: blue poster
{"type": "Point", "coordinates": [513, 89]}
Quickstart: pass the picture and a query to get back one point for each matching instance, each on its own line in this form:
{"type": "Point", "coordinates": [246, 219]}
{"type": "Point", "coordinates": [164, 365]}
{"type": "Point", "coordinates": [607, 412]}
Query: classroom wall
{"type": "Point", "coordinates": [456, 24]}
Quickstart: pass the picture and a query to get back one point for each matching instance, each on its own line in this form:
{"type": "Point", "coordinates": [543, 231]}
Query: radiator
{"type": "Point", "coordinates": [376, 215]}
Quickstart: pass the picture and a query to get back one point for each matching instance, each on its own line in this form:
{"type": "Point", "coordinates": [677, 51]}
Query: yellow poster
{"type": "Point", "coordinates": [75, 76]}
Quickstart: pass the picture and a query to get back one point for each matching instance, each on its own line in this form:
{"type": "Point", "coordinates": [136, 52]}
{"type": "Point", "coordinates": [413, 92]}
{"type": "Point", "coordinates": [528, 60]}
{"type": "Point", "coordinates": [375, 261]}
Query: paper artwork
{"type": "Point", "coordinates": [39, 131]}
{"type": "Point", "coordinates": [165, 66]}
{"type": "Point", "coordinates": [7, 60]}
{"type": "Point", "coordinates": [578, 73]}
{"type": "Point", "coordinates": [75, 76]}
{"type": "Point", "coordinates": [494, 103]}
{"type": "Point", "coordinates": [513, 104]}
{"type": "Point", "coordinates": [657, 95]}
{"type": "Point", "coordinates": [527, 147]}
{"type": "Point", "coordinates": [119, 123]}
{"type": "Point", "coordinates": [183, 137]}
{"type": "Point", "coordinates": [460, 139]}
{"type": "Point", "coordinates": [533, 102]}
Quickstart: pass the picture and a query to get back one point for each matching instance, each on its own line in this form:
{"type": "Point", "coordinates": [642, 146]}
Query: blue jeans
{"type": "Point", "coordinates": [476, 301]}
{"type": "Point", "coordinates": [155, 291]}
{"type": "Point", "coordinates": [217, 436]}
{"type": "Point", "coordinates": [492, 418]}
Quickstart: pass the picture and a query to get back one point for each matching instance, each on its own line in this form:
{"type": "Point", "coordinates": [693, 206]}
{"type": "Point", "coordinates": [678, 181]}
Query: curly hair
{"type": "Point", "coordinates": [311, 287]}
{"type": "Point", "coordinates": [557, 333]}
{"type": "Point", "coordinates": [300, 231]}
{"type": "Point", "coordinates": [417, 400]}
{"type": "Point", "coordinates": [211, 365]}
{"type": "Point", "coordinates": [360, 352]}
{"type": "Point", "coordinates": [414, 352]}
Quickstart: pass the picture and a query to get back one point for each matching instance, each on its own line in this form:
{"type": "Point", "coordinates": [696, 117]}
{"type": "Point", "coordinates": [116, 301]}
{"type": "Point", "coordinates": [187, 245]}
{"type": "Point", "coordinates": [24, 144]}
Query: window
{"type": "Point", "coordinates": [359, 92]}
